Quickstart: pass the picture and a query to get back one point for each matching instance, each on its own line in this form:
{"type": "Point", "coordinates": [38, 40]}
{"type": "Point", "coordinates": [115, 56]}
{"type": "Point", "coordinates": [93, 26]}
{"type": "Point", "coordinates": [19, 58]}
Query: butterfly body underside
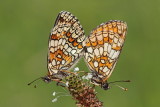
{"type": "Point", "coordinates": [102, 49]}
{"type": "Point", "coordinates": [65, 45]}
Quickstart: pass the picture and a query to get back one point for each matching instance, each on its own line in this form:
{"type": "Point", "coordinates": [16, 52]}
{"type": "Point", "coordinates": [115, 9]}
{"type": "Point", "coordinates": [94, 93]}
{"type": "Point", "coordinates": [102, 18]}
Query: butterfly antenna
{"type": "Point", "coordinates": [34, 81]}
{"type": "Point", "coordinates": [125, 89]}
{"type": "Point", "coordinates": [119, 81]}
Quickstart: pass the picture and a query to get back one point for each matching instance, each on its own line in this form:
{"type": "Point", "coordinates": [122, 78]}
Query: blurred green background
{"type": "Point", "coordinates": [24, 30]}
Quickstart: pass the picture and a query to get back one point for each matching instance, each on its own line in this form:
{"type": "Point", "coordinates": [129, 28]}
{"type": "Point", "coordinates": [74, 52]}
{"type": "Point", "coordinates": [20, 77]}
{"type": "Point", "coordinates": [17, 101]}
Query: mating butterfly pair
{"type": "Point", "coordinates": [101, 49]}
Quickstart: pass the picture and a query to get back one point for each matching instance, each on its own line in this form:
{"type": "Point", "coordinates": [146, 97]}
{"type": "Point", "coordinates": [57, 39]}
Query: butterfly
{"type": "Point", "coordinates": [64, 46]}
{"type": "Point", "coordinates": [102, 49]}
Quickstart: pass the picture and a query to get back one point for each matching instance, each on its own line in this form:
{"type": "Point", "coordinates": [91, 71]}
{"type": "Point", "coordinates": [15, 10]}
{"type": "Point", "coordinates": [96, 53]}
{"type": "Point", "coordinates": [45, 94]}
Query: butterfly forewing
{"type": "Point", "coordinates": [103, 47]}
{"type": "Point", "coordinates": [65, 42]}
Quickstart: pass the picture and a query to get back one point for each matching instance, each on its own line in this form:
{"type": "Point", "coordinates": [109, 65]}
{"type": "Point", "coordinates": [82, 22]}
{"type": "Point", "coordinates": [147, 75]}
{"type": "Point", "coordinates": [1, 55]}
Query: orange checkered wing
{"type": "Point", "coordinates": [65, 42]}
{"type": "Point", "coordinates": [103, 47]}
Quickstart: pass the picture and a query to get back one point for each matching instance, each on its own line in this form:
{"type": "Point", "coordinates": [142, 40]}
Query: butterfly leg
{"type": "Point", "coordinates": [69, 72]}
{"type": "Point", "coordinates": [59, 82]}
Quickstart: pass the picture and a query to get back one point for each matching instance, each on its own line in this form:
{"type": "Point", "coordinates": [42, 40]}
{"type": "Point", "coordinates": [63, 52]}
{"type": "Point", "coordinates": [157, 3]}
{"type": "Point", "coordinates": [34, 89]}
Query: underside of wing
{"type": "Point", "coordinates": [103, 47]}
{"type": "Point", "coordinates": [65, 42]}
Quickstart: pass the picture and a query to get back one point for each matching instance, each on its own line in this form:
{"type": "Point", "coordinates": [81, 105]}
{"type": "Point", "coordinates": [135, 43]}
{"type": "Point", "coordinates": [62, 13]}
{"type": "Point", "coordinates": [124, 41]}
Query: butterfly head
{"type": "Point", "coordinates": [99, 82]}
{"type": "Point", "coordinates": [46, 79]}
{"type": "Point", "coordinates": [105, 86]}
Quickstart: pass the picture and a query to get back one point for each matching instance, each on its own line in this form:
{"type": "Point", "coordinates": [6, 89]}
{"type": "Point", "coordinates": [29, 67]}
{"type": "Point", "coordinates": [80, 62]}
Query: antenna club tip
{"type": "Point", "coordinates": [126, 89]}
{"type": "Point", "coordinates": [128, 80]}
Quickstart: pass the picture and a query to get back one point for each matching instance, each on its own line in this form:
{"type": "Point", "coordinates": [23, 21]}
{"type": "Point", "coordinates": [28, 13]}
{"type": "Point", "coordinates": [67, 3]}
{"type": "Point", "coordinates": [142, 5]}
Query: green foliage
{"type": "Point", "coordinates": [24, 33]}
